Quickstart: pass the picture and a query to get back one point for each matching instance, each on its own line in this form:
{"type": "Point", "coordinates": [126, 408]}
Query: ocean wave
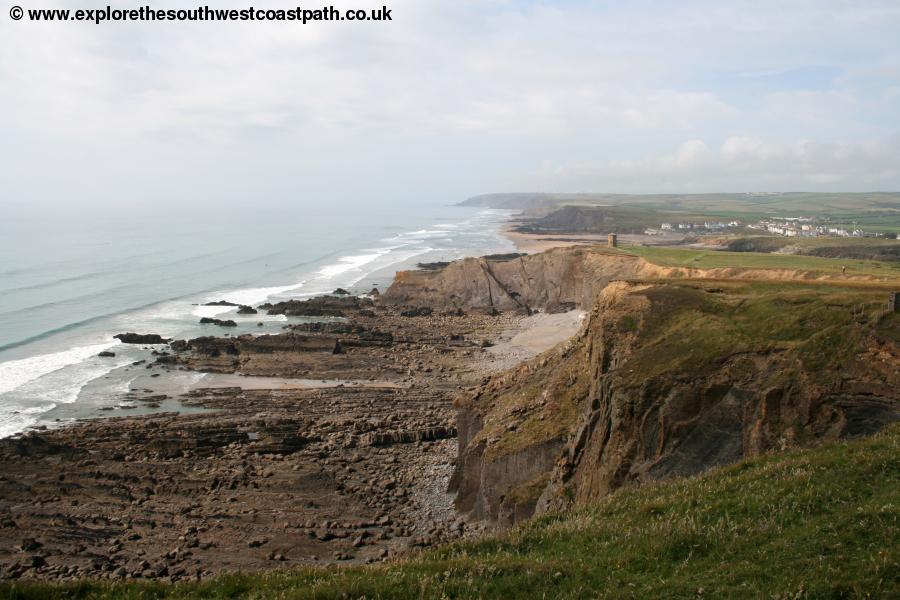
{"type": "Point", "coordinates": [54, 282]}
{"type": "Point", "coordinates": [15, 419]}
{"type": "Point", "coordinates": [246, 297]}
{"type": "Point", "coordinates": [348, 263]}
{"type": "Point", "coordinates": [63, 386]}
{"type": "Point", "coordinates": [396, 258]}
{"type": "Point", "coordinates": [51, 332]}
{"type": "Point", "coordinates": [16, 373]}
{"type": "Point", "coordinates": [41, 383]}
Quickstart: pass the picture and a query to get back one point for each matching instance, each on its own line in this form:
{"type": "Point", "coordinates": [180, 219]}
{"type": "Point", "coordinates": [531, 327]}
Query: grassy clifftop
{"type": "Point", "coordinates": [816, 523]}
{"type": "Point", "coordinates": [718, 259]}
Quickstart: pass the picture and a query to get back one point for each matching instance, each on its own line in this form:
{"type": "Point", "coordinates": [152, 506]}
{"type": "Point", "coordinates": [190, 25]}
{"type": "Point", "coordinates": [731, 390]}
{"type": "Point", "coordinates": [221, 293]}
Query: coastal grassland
{"type": "Point", "coordinates": [877, 211]}
{"type": "Point", "coordinates": [816, 523]}
{"type": "Point", "coordinates": [696, 258]}
{"type": "Point", "coordinates": [844, 248]}
{"type": "Point", "coordinates": [694, 326]}
{"type": "Point", "coordinates": [574, 218]}
{"type": "Point", "coordinates": [873, 211]}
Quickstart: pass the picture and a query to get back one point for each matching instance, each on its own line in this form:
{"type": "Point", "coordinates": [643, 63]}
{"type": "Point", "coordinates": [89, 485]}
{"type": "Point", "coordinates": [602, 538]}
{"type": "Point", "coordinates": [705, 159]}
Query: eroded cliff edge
{"type": "Point", "coordinates": [675, 371]}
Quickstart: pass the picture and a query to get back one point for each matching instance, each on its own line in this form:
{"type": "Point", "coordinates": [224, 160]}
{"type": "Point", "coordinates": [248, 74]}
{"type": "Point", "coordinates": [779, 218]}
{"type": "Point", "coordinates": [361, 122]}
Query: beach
{"type": "Point", "coordinates": [535, 243]}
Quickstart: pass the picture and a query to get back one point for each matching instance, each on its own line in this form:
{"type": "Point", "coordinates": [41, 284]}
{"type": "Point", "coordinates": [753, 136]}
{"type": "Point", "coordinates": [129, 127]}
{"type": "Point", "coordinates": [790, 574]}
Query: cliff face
{"type": "Point", "coordinates": [556, 280]}
{"type": "Point", "coordinates": [551, 280]}
{"type": "Point", "coordinates": [672, 378]}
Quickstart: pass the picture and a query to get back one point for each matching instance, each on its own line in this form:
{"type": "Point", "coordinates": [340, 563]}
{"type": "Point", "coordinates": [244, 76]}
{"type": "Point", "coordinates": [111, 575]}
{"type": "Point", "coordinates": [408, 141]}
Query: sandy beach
{"type": "Point", "coordinates": [534, 243]}
{"type": "Point", "coordinates": [531, 336]}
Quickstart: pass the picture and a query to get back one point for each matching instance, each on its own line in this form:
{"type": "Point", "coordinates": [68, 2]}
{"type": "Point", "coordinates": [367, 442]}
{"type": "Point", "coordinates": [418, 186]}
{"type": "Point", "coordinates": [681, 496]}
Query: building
{"type": "Point", "coordinates": [612, 240]}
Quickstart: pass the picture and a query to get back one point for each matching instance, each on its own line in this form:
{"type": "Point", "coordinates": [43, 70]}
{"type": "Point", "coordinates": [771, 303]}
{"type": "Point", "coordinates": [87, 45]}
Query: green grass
{"type": "Point", "coordinates": [817, 523]}
{"type": "Point", "coordinates": [842, 248]}
{"type": "Point", "coordinates": [717, 259]}
{"type": "Point", "coordinates": [612, 219]}
{"type": "Point", "coordinates": [694, 326]}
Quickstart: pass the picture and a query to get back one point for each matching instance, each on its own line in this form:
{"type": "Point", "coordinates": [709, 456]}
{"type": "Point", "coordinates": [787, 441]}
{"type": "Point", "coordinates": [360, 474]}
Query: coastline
{"type": "Point", "coordinates": [304, 456]}
{"type": "Point", "coordinates": [60, 377]}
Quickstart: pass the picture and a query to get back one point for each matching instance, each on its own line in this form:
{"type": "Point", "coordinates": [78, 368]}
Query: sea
{"type": "Point", "coordinates": [68, 285]}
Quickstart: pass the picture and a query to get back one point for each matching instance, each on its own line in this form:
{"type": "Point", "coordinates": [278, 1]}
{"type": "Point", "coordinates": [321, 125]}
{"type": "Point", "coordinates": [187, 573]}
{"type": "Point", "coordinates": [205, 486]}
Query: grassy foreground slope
{"type": "Point", "coordinates": [817, 523]}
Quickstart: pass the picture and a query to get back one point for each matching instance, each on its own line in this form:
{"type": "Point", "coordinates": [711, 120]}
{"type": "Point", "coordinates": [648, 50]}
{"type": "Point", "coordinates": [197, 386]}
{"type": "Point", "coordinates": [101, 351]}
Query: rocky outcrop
{"type": "Point", "coordinates": [218, 322]}
{"type": "Point", "coordinates": [671, 379]}
{"type": "Point", "coordinates": [139, 338]}
{"type": "Point", "coordinates": [349, 334]}
{"type": "Point", "coordinates": [263, 344]}
{"type": "Point", "coordinates": [325, 306]}
{"type": "Point", "coordinates": [408, 437]}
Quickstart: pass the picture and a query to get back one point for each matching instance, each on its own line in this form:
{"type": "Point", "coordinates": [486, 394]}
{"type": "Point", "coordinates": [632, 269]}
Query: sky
{"type": "Point", "coordinates": [450, 99]}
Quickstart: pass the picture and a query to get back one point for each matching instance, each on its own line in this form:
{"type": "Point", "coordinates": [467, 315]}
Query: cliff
{"type": "Point", "coordinates": [671, 378]}
{"type": "Point", "coordinates": [567, 278]}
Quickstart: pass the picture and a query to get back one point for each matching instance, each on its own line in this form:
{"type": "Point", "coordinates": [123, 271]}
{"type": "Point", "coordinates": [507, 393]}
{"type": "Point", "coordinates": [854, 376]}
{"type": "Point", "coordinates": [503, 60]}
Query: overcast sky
{"type": "Point", "coordinates": [451, 99]}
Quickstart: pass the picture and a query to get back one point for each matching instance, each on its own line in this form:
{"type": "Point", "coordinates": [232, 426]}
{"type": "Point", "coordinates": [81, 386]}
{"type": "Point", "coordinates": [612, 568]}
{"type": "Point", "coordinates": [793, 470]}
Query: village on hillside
{"type": "Point", "coordinates": [806, 227]}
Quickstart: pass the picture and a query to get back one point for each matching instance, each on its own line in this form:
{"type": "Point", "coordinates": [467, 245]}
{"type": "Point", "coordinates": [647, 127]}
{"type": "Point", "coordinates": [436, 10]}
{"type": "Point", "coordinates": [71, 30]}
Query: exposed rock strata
{"type": "Point", "coordinates": [325, 306]}
{"type": "Point", "coordinates": [671, 379]}
{"type": "Point", "coordinates": [269, 477]}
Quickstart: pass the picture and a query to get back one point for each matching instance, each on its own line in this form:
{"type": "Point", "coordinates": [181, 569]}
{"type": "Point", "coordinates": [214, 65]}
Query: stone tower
{"type": "Point", "coordinates": [894, 302]}
{"type": "Point", "coordinates": [612, 240]}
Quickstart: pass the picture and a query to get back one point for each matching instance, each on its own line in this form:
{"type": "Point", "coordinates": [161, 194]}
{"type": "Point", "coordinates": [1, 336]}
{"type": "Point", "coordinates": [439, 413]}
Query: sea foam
{"type": "Point", "coordinates": [16, 373]}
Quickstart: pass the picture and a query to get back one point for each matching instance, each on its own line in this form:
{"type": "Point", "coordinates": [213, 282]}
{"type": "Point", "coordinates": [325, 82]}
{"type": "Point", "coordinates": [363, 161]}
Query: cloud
{"type": "Point", "coordinates": [739, 164]}
{"type": "Point", "coordinates": [482, 89]}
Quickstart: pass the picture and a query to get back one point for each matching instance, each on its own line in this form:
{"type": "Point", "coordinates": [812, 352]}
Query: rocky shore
{"type": "Point", "coordinates": [249, 479]}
